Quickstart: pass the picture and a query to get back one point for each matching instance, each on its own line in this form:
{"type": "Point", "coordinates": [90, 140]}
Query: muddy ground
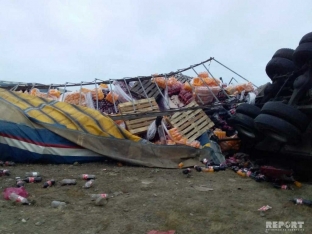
{"type": "Point", "coordinates": [156, 199]}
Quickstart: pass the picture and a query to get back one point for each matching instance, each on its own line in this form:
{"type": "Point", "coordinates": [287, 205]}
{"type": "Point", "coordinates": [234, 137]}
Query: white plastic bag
{"type": "Point", "coordinates": [151, 131]}
{"type": "Point", "coordinates": [164, 101]}
{"type": "Point", "coordinates": [123, 97]}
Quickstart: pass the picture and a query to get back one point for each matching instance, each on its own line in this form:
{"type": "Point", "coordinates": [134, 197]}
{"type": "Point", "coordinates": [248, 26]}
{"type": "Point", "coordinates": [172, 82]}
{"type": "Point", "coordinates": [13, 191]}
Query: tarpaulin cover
{"type": "Point", "coordinates": [34, 129]}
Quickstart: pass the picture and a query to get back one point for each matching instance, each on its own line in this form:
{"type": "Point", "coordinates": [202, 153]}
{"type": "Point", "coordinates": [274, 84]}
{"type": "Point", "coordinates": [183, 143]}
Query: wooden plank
{"type": "Point", "coordinates": [150, 88]}
{"type": "Point", "coordinates": [134, 121]}
{"type": "Point", "coordinates": [139, 108]}
{"type": "Point", "coordinates": [144, 110]}
{"type": "Point", "coordinates": [139, 125]}
{"type": "Point", "coordinates": [191, 124]}
{"type": "Point", "coordinates": [139, 130]}
{"type": "Point", "coordinates": [191, 104]}
{"type": "Point", "coordinates": [186, 115]}
{"type": "Point", "coordinates": [187, 123]}
{"type": "Point", "coordinates": [137, 102]}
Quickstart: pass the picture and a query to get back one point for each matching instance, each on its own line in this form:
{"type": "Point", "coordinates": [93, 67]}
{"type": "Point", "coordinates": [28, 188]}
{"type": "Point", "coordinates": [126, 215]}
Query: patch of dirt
{"type": "Point", "coordinates": [151, 199]}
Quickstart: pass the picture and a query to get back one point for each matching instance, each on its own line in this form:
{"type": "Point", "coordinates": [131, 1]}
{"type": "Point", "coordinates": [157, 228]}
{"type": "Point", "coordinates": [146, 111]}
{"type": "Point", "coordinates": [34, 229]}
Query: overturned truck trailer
{"type": "Point", "coordinates": [40, 129]}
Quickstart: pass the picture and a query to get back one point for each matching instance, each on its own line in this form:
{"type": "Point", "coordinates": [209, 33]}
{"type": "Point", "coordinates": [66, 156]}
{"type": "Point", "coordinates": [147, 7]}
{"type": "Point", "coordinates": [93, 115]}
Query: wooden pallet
{"type": "Point", "coordinates": [191, 124]}
{"type": "Point", "coordinates": [151, 89]}
{"type": "Point", "coordinates": [183, 78]}
{"type": "Point", "coordinates": [140, 125]}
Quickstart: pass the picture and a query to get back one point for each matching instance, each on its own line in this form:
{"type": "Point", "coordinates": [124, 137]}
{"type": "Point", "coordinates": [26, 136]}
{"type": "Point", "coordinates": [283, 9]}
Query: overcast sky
{"type": "Point", "coordinates": [59, 41]}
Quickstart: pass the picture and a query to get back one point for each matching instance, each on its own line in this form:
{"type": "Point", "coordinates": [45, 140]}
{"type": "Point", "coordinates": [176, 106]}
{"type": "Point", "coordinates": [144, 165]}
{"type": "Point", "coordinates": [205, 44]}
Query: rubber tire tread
{"type": "Point", "coordinates": [288, 113]}
{"type": "Point", "coordinates": [243, 120]}
{"type": "Point", "coordinates": [306, 38]}
{"type": "Point", "coordinates": [249, 110]}
{"type": "Point", "coordinates": [303, 54]}
{"type": "Point", "coordinates": [264, 123]}
{"type": "Point", "coordinates": [284, 53]}
{"type": "Point", "coordinates": [279, 66]}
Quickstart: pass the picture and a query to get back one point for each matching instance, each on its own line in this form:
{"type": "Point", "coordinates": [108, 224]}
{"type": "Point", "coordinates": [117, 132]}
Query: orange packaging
{"type": "Point", "coordinates": [203, 74]}
{"type": "Point", "coordinates": [187, 87]}
{"type": "Point", "coordinates": [55, 93]}
{"type": "Point", "coordinates": [220, 134]}
{"type": "Point", "coordinates": [104, 86]}
{"type": "Point", "coordinates": [109, 97]}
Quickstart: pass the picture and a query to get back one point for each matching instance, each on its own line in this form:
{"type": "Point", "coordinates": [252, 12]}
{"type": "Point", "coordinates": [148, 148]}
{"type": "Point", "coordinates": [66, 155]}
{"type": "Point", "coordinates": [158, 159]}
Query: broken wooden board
{"type": "Point", "coordinates": [191, 124]}
{"type": "Point", "coordinates": [148, 89]}
{"type": "Point", "coordinates": [139, 125]}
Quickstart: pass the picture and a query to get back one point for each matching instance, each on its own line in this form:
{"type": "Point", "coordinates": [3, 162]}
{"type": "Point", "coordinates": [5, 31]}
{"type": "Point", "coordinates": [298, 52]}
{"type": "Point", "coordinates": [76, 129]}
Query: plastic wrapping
{"type": "Point", "coordinates": [163, 102]}
{"type": "Point", "coordinates": [205, 94]}
{"type": "Point", "coordinates": [151, 131]}
{"type": "Point", "coordinates": [174, 88]}
{"type": "Point", "coordinates": [160, 81]}
{"type": "Point", "coordinates": [74, 98]}
{"type": "Point", "coordinates": [237, 89]}
{"type": "Point", "coordinates": [199, 81]}
{"type": "Point", "coordinates": [95, 93]}
{"type": "Point", "coordinates": [204, 91]}
{"type": "Point", "coordinates": [186, 96]}
{"type": "Point", "coordinates": [112, 97]}
{"type": "Point", "coordinates": [105, 106]}
{"type": "Point", "coordinates": [122, 95]}
{"type": "Point", "coordinates": [19, 191]}
{"type": "Point", "coordinates": [53, 94]}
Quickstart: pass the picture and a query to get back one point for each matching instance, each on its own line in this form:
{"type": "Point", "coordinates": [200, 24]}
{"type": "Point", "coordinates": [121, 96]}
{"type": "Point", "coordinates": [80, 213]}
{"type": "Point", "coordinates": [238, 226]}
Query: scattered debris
{"type": "Point", "coordinates": [88, 184]}
{"type": "Point", "coordinates": [57, 204]}
{"type": "Point", "coordinates": [300, 201]}
{"type": "Point", "coordinates": [68, 182]}
{"type": "Point", "coordinates": [265, 208]}
{"type": "Point", "coordinates": [202, 188]}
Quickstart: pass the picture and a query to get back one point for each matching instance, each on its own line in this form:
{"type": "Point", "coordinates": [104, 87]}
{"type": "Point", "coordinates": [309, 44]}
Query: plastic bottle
{"type": "Point", "coordinates": [301, 201]}
{"type": "Point", "coordinates": [32, 174]}
{"type": "Point", "coordinates": [101, 200]}
{"type": "Point", "coordinates": [284, 186]}
{"type": "Point", "coordinates": [68, 182]}
{"type": "Point", "coordinates": [87, 177]}
{"type": "Point", "coordinates": [213, 169]}
{"type": "Point", "coordinates": [198, 168]}
{"type": "Point", "coordinates": [56, 204]}
{"type": "Point", "coordinates": [4, 172]}
{"type": "Point", "coordinates": [18, 199]}
{"type": "Point", "coordinates": [7, 163]}
{"type": "Point", "coordinates": [220, 168]}
{"type": "Point", "coordinates": [32, 179]}
{"type": "Point", "coordinates": [187, 171]}
{"type": "Point", "coordinates": [96, 196]}
{"type": "Point", "coordinates": [19, 182]}
{"type": "Point", "coordinates": [48, 183]}
{"type": "Point", "coordinates": [235, 168]}
{"type": "Point", "coordinates": [297, 184]}
{"type": "Point", "coordinates": [88, 184]}
{"type": "Point", "coordinates": [258, 177]}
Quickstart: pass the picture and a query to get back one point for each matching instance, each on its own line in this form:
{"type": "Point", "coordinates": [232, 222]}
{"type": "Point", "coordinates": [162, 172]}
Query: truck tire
{"type": "Point", "coordinates": [288, 113]}
{"type": "Point", "coordinates": [243, 124]}
{"type": "Point", "coordinates": [284, 53]}
{"type": "Point", "coordinates": [279, 66]}
{"type": "Point", "coordinates": [306, 38]}
{"type": "Point", "coordinates": [277, 129]}
{"type": "Point", "coordinates": [303, 54]}
{"type": "Point", "coordinates": [249, 110]}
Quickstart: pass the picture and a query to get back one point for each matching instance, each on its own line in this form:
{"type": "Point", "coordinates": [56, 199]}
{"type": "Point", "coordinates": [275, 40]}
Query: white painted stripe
{"type": "Point", "coordinates": [47, 150]}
